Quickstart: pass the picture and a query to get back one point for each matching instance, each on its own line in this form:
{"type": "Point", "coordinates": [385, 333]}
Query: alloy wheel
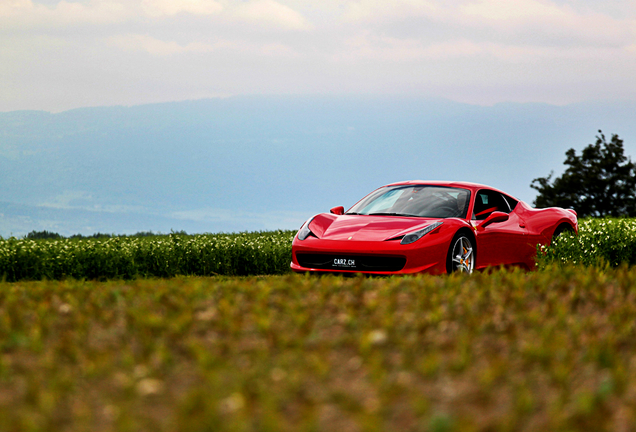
{"type": "Point", "coordinates": [463, 256]}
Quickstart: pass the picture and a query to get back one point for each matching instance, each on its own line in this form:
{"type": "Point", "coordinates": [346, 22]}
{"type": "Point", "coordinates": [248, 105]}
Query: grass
{"type": "Point", "coordinates": [506, 351]}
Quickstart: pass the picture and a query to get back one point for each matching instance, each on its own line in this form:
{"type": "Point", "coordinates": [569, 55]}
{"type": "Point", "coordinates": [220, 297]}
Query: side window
{"type": "Point", "coordinates": [512, 203]}
{"type": "Point", "coordinates": [488, 201]}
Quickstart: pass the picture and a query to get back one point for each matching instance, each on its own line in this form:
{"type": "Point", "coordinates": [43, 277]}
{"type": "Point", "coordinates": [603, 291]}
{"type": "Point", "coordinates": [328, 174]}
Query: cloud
{"type": "Point", "coordinates": [527, 22]}
{"type": "Point", "coordinates": [133, 42]}
{"type": "Point", "coordinates": [10, 7]}
{"type": "Point", "coordinates": [545, 23]}
{"type": "Point", "coordinates": [158, 8]}
{"type": "Point", "coordinates": [268, 13]}
{"type": "Point", "coordinates": [271, 13]}
{"type": "Point", "coordinates": [378, 10]}
{"type": "Point", "coordinates": [158, 47]}
{"type": "Point", "coordinates": [512, 10]}
{"type": "Point", "coordinates": [295, 46]}
{"type": "Point", "coordinates": [16, 14]}
{"type": "Point", "coordinates": [410, 51]}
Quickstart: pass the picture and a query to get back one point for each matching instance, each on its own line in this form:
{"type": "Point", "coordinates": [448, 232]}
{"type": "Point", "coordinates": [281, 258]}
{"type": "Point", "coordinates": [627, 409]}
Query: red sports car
{"type": "Point", "coordinates": [425, 226]}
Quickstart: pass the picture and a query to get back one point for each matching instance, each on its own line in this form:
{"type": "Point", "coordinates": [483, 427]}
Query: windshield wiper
{"type": "Point", "coordinates": [392, 214]}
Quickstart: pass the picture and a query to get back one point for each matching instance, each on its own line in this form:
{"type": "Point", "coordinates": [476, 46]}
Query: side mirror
{"type": "Point", "coordinates": [495, 217]}
{"type": "Point", "coordinates": [337, 210]}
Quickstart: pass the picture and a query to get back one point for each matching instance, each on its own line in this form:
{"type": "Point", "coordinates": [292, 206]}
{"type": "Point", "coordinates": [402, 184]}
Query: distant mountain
{"type": "Point", "coordinates": [255, 163]}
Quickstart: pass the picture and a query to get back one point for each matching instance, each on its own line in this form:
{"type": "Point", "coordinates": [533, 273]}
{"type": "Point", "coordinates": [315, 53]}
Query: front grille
{"type": "Point", "coordinates": [351, 262]}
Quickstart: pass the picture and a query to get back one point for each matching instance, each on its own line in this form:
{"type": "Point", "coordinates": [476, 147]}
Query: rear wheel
{"type": "Point", "coordinates": [563, 228]}
{"type": "Point", "coordinates": [461, 255]}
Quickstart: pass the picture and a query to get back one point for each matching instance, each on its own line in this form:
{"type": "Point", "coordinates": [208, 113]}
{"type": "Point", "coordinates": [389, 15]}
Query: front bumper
{"type": "Point", "coordinates": [370, 257]}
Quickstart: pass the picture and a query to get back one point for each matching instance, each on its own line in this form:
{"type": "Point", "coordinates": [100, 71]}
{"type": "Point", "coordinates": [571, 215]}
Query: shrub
{"type": "Point", "coordinates": [606, 241]}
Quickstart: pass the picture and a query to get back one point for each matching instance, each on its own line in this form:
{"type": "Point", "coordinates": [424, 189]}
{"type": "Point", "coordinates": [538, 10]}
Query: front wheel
{"type": "Point", "coordinates": [461, 255]}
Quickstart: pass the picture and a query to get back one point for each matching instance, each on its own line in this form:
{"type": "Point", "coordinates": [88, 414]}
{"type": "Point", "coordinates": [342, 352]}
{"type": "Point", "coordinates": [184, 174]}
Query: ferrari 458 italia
{"type": "Point", "coordinates": [425, 226]}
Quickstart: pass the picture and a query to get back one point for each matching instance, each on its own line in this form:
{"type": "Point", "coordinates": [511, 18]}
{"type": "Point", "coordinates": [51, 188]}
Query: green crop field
{"type": "Point", "coordinates": [608, 242]}
{"type": "Point", "coordinates": [601, 242]}
{"type": "Point", "coordinates": [124, 257]}
{"type": "Point", "coordinates": [506, 351]}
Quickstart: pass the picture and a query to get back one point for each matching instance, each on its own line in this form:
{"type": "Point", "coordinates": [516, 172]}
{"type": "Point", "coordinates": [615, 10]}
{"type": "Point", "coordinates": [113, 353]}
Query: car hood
{"type": "Point", "coordinates": [365, 228]}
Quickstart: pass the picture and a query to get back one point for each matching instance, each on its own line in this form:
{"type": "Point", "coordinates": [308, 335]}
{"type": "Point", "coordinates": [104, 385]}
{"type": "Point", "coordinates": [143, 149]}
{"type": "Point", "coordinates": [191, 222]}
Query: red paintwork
{"type": "Point", "coordinates": [511, 242]}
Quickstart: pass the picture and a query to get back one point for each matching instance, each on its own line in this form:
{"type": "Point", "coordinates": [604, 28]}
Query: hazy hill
{"type": "Point", "coordinates": [250, 163]}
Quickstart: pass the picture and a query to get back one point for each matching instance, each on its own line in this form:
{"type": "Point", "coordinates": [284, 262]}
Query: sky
{"type": "Point", "coordinates": [59, 55]}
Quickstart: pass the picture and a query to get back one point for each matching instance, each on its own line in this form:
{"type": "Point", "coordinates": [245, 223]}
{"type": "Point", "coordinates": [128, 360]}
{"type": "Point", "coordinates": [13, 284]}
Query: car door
{"type": "Point", "coordinates": [498, 243]}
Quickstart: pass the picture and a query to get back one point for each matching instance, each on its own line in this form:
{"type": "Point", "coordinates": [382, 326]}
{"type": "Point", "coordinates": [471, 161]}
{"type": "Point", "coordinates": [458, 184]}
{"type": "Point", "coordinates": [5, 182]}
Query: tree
{"type": "Point", "coordinates": [37, 235]}
{"type": "Point", "coordinates": [600, 182]}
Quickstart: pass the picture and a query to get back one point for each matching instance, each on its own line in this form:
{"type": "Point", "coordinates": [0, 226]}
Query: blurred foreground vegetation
{"type": "Point", "coordinates": [505, 351]}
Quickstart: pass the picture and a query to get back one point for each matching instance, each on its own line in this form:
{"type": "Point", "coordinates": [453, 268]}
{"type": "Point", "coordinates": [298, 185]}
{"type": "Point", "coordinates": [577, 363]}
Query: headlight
{"type": "Point", "coordinates": [304, 230]}
{"type": "Point", "coordinates": [415, 236]}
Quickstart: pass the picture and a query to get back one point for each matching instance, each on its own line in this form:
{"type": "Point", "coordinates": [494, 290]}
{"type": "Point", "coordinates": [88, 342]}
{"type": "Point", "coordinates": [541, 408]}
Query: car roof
{"type": "Point", "coordinates": [459, 184]}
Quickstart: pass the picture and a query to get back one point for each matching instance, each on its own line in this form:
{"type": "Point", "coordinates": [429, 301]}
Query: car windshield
{"type": "Point", "coordinates": [415, 201]}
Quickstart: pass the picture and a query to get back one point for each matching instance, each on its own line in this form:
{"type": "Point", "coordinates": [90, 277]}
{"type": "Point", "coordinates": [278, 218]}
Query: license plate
{"type": "Point", "coordinates": [344, 262]}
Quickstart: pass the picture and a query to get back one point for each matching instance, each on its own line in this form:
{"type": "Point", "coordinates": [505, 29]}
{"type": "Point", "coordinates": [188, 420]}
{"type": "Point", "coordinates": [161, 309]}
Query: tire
{"type": "Point", "coordinates": [461, 254]}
